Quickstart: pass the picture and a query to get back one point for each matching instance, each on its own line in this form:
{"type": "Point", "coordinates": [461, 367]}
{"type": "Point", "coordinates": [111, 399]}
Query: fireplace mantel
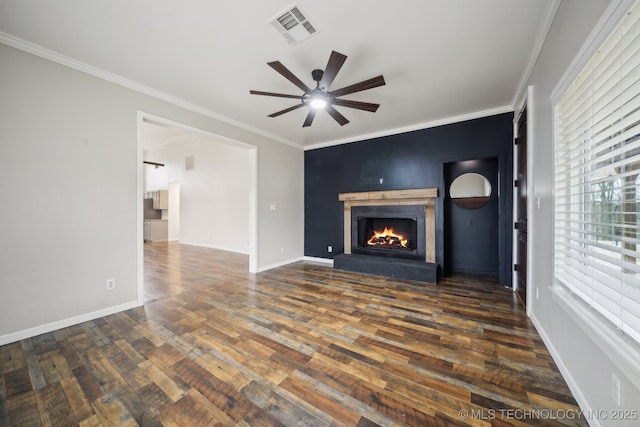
{"type": "Point", "coordinates": [420, 196]}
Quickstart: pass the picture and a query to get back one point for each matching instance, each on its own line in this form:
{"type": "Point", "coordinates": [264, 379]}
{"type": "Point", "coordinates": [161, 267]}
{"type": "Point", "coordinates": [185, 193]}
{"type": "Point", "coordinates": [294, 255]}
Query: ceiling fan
{"type": "Point", "coordinates": [321, 97]}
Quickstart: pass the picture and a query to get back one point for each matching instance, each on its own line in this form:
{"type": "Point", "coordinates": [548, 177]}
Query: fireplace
{"type": "Point", "coordinates": [390, 233]}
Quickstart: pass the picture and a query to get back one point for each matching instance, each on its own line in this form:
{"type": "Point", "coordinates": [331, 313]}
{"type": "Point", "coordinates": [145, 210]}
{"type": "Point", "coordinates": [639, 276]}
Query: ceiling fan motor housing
{"type": "Point", "coordinates": [317, 75]}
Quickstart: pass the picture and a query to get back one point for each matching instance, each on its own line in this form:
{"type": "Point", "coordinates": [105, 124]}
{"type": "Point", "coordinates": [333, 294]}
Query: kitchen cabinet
{"type": "Point", "coordinates": [156, 230]}
{"type": "Point", "coordinates": [160, 198]}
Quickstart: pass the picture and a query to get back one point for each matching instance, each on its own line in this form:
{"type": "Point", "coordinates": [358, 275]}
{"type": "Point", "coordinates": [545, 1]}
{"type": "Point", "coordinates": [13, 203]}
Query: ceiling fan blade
{"type": "Point", "coordinates": [277, 65]}
{"type": "Point", "coordinates": [286, 110]}
{"type": "Point", "coordinates": [310, 117]}
{"type": "Point", "coordinates": [331, 70]}
{"type": "Point", "coordinates": [367, 106]}
{"type": "Point", "coordinates": [357, 87]}
{"type": "Point", "coordinates": [280, 95]}
{"type": "Point", "coordinates": [342, 120]}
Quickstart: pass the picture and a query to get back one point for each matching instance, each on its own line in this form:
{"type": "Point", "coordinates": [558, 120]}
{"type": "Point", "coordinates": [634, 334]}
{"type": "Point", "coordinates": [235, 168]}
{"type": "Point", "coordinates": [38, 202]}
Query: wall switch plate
{"type": "Point", "coordinates": [329, 248]}
{"type": "Point", "coordinates": [282, 250]}
{"type": "Point", "coordinates": [537, 293]}
{"type": "Point", "coordinates": [272, 207]}
{"type": "Point", "coordinates": [111, 284]}
{"type": "Point", "coordinates": [616, 389]}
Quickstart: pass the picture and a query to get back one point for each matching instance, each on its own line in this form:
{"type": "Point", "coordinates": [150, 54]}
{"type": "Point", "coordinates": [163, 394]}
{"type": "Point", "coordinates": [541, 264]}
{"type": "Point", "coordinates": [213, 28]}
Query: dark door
{"type": "Point", "coordinates": [471, 230]}
{"type": "Point", "coordinates": [521, 208]}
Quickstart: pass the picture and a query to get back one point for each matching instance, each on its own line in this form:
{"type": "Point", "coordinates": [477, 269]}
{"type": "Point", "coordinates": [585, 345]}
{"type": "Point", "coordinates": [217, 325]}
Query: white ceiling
{"type": "Point", "coordinates": [442, 60]}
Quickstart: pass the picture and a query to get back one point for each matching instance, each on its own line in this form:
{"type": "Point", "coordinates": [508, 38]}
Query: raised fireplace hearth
{"type": "Point", "coordinates": [390, 233]}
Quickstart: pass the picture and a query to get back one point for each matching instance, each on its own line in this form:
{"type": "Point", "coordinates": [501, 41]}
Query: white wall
{"type": "Point", "coordinates": [587, 365]}
{"type": "Point", "coordinates": [69, 173]}
{"type": "Point", "coordinates": [214, 195]}
{"type": "Point", "coordinates": [155, 177]}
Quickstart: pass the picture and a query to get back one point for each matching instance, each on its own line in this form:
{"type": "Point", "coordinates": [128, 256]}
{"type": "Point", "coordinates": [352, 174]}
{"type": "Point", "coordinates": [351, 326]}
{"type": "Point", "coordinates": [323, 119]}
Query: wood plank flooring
{"type": "Point", "coordinates": [301, 345]}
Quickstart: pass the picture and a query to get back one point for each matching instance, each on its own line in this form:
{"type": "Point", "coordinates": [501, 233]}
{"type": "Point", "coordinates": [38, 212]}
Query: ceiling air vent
{"type": "Point", "coordinates": [293, 25]}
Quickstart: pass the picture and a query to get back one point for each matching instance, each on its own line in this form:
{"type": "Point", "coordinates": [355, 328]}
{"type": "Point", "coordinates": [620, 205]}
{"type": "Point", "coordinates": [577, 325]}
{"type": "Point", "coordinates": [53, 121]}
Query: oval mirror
{"type": "Point", "coordinates": [470, 191]}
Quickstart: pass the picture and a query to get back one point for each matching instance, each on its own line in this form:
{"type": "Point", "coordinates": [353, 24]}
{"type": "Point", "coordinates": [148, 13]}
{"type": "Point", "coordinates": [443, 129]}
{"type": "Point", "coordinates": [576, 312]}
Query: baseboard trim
{"type": "Point", "coordinates": [279, 264]}
{"type": "Point", "coordinates": [75, 320]}
{"type": "Point", "coordinates": [220, 248]}
{"type": "Point", "coordinates": [566, 374]}
{"type": "Point", "coordinates": [328, 261]}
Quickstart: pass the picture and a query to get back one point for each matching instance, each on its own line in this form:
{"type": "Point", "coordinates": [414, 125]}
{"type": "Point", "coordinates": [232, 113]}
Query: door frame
{"type": "Point", "coordinates": [253, 192]}
{"type": "Point", "coordinates": [528, 105]}
{"type": "Point", "coordinates": [520, 212]}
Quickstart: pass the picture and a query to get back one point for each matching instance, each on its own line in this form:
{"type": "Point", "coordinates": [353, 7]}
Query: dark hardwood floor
{"type": "Point", "coordinates": [299, 345]}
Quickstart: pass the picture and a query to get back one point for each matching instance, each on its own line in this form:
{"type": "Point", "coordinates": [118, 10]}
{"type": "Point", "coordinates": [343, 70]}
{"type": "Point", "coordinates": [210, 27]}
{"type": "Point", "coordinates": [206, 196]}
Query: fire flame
{"type": "Point", "coordinates": [387, 237]}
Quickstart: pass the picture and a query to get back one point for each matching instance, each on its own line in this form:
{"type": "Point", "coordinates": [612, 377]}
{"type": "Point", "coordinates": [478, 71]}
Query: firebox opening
{"type": "Point", "coordinates": [394, 234]}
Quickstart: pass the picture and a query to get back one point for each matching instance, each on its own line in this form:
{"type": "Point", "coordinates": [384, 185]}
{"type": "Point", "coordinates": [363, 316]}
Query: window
{"type": "Point", "coordinates": [597, 184]}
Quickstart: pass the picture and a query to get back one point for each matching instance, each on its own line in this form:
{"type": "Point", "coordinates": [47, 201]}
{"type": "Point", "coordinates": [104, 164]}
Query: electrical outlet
{"type": "Point", "coordinates": [282, 250]}
{"type": "Point", "coordinates": [329, 248]}
{"type": "Point", "coordinates": [616, 390]}
{"type": "Point", "coordinates": [111, 284]}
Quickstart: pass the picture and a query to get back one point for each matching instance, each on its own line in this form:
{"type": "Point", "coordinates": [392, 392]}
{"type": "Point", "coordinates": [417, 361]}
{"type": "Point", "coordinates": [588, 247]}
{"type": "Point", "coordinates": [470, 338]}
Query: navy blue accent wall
{"type": "Point", "coordinates": [406, 161]}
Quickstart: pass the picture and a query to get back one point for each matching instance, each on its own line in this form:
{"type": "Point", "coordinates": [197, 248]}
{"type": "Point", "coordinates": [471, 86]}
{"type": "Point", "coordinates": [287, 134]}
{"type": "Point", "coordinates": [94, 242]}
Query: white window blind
{"type": "Point", "coordinates": [597, 184]}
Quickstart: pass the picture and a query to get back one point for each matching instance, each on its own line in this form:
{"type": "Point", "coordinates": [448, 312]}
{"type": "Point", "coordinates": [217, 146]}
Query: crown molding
{"type": "Point", "coordinates": [519, 96]}
{"type": "Point", "coordinates": [417, 126]}
{"type": "Point", "coordinates": [58, 58]}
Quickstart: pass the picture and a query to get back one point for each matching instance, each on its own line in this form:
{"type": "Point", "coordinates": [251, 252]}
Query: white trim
{"type": "Point", "coordinates": [411, 128]}
{"type": "Point", "coordinates": [253, 211]}
{"type": "Point", "coordinates": [514, 197]}
{"type": "Point", "coordinates": [140, 208]}
{"type": "Point", "coordinates": [531, 200]}
{"type": "Point", "coordinates": [220, 248]}
{"type": "Point", "coordinates": [327, 261]}
{"type": "Point", "coordinates": [280, 264]}
{"type": "Point", "coordinates": [608, 21]}
{"type": "Point", "coordinates": [566, 374]}
{"type": "Point", "coordinates": [59, 324]}
{"type": "Point", "coordinates": [519, 96]}
{"type": "Point", "coordinates": [58, 58]}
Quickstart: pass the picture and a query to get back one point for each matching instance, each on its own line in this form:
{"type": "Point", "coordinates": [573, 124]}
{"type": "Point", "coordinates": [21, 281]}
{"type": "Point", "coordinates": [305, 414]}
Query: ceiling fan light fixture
{"type": "Point", "coordinates": [318, 100]}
